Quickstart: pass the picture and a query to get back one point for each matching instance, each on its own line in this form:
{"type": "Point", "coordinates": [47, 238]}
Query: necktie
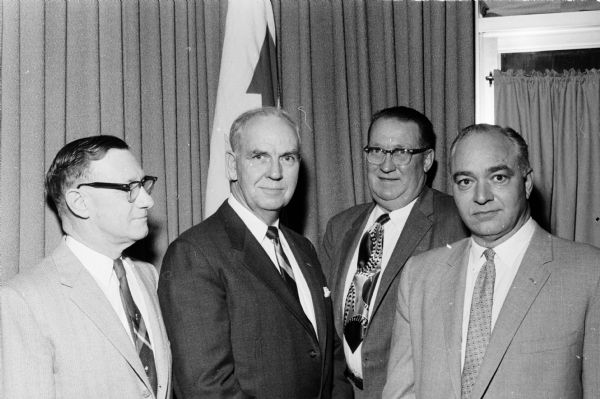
{"type": "Point", "coordinates": [136, 325]}
{"type": "Point", "coordinates": [358, 300]}
{"type": "Point", "coordinates": [287, 274]}
{"type": "Point", "coordinates": [480, 323]}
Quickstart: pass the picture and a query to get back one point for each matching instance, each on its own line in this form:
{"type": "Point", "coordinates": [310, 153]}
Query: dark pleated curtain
{"type": "Point", "coordinates": [558, 114]}
{"type": "Point", "coordinates": [147, 71]}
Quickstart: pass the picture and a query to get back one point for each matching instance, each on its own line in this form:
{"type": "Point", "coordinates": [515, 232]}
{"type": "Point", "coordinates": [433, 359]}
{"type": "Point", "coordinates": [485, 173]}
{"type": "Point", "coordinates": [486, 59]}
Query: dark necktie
{"type": "Point", "coordinates": [480, 323]}
{"type": "Point", "coordinates": [360, 294]}
{"type": "Point", "coordinates": [136, 325]}
{"type": "Point", "coordinates": [285, 269]}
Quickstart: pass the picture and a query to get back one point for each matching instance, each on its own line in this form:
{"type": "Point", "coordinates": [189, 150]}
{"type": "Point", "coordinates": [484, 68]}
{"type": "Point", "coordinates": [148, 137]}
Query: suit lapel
{"type": "Point", "coordinates": [83, 290]}
{"type": "Point", "coordinates": [451, 307]}
{"type": "Point", "coordinates": [416, 226]}
{"type": "Point", "coordinates": [531, 277]}
{"type": "Point", "coordinates": [350, 242]}
{"type": "Point", "coordinates": [253, 257]}
{"type": "Point", "coordinates": [159, 347]}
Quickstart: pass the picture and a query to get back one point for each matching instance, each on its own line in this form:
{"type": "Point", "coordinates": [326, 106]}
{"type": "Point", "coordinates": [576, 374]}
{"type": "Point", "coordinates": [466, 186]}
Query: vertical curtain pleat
{"type": "Point", "coordinates": [147, 71]}
{"type": "Point", "coordinates": [559, 116]}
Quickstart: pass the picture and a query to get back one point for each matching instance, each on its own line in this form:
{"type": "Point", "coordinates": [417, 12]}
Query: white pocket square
{"type": "Point", "coordinates": [326, 292]}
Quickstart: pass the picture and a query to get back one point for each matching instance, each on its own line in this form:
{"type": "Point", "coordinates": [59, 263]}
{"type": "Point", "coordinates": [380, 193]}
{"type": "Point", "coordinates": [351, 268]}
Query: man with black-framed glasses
{"type": "Point", "coordinates": [85, 322]}
{"type": "Point", "coordinates": [366, 246]}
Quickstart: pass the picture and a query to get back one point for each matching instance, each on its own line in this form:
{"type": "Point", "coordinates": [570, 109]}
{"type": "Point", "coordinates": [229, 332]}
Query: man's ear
{"type": "Point", "coordinates": [76, 203]}
{"type": "Point", "coordinates": [231, 166]}
{"type": "Point", "coordinates": [428, 161]}
{"type": "Point", "coordinates": [528, 183]}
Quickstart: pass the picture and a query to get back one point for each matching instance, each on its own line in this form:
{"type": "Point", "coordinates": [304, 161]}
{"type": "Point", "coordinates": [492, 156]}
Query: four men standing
{"type": "Point", "coordinates": [511, 311]}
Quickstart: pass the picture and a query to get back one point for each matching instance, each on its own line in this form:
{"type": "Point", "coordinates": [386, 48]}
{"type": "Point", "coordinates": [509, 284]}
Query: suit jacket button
{"type": "Point", "coordinates": [146, 394]}
{"type": "Point", "coordinates": [313, 354]}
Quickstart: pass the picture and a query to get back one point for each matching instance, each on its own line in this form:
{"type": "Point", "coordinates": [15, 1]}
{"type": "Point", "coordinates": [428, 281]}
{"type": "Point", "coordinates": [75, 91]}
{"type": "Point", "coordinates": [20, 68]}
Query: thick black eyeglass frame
{"type": "Point", "coordinates": [367, 149]}
{"type": "Point", "coordinates": [127, 187]}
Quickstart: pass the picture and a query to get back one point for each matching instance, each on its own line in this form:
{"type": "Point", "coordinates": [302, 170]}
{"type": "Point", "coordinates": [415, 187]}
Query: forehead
{"type": "Point", "coordinates": [118, 165]}
{"type": "Point", "coordinates": [392, 132]}
{"type": "Point", "coordinates": [480, 151]}
{"type": "Point", "coordinates": [267, 132]}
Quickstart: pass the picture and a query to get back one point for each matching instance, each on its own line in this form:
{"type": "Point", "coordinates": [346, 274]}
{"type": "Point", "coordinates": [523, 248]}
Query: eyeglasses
{"type": "Point", "coordinates": [400, 156]}
{"type": "Point", "coordinates": [132, 189]}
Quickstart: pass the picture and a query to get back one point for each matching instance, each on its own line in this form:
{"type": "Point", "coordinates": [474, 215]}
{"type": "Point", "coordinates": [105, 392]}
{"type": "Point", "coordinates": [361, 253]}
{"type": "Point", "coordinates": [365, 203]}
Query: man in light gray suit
{"type": "Point", "coordinates": [513, 311]}
{"type": "Point", "coordinates": [399, 154]}
{"type": "Point", "coordinates": [85, 322]}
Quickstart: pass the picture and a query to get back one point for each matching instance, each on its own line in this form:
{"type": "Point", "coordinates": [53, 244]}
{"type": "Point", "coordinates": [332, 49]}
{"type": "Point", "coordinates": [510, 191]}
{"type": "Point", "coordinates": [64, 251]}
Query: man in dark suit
{"type": "Point", "coordinates": [513, 311]}
{"type": "Point", "coordinates": [399, 155]}
{"type": "Point", "coordinates": [246, 304]}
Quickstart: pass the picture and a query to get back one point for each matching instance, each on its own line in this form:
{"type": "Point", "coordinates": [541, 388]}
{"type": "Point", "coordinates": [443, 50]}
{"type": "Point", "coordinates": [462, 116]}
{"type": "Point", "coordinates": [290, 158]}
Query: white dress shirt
{"type": "Point", "coordinates": [507, 260]}
{"type": "Point", "coordinates": [101, 269]}
{"type": "Point", "coordinates": [391, 232]}
{"type": "Point", "coordinates": [258, 228]}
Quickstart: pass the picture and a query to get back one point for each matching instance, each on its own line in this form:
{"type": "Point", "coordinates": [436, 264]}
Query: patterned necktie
{"type": "Point", "coordinates": [358, 300]}
{"type": "Point", "coordinates": [480, 323]}
{"type": "Point", "coordinates": [287, 274]}
{"type": "Point", "coordinates": [136, 325]}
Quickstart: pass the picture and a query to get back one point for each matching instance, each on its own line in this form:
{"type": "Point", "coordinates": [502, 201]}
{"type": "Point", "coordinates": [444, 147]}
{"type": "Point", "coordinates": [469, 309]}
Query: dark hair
{"type": "Point", "coordinates": [72, 163]}
{"type": "Point", "coordinates": [405, 114]}
{"type": "Point", "coordinates": [509, 133]}
{"type": "Point", "coordinates": [242, 121]}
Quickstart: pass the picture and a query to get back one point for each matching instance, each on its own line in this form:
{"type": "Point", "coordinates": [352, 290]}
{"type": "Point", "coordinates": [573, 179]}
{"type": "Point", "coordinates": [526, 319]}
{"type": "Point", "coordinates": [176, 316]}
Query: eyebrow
{"type": "Point", "coordinates": [499, 168]}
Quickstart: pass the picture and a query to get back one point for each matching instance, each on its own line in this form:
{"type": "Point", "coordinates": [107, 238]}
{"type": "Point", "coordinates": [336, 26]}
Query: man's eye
{"type": "Point", "coordinates": [376, 150]}
{"type": "Point", "coordinates": [463, 183]}
{"type": "Point", "coordinates": [289, 159]}
{"type": "Point", "coordinates": [258, 157]}
{"type": "Point", "coordinates": [500, 178]}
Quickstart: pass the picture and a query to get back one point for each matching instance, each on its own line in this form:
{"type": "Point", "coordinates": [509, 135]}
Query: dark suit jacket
{"type": "Point", "coordinates": [433, 221]}
{"type": "Point", "coordinates": [236, 331]}
{"type": "Point", "coordinates": [546, 340]}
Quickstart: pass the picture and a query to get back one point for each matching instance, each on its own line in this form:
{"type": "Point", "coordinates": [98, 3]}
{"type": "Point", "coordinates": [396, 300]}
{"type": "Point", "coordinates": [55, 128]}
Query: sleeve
{"type": "Point", "coordinates": [26, 356]}
{"type": "Point", "coordinates": [400, 369]}
{"type": "Point", "coordinates": [194, 305]}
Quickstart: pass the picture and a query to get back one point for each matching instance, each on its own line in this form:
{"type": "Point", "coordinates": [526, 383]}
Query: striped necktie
{"type": "Point", "coordinates": [285, 269]}
{"type": "Point", "coordinates": [136, 325]}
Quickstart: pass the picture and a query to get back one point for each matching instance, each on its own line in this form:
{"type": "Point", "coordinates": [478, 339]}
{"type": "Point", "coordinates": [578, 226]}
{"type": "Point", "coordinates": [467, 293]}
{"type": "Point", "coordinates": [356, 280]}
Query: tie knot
{"type": "Point", "coordinates": [489, 254]}
{"type": "Point", "coordinates": [383, 219]}
{"type": "Point", "coordinates": [119, 269]}
{"type": "Point", "coordinates": [273, 233]}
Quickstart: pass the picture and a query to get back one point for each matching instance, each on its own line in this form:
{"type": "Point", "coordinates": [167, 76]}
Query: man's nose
{"type": "Point", "coordinates": [388, 164]}
{"type": "Point", "coordinates": [275, 170]}
{"type": "Point", "coordinates": [483, 194]}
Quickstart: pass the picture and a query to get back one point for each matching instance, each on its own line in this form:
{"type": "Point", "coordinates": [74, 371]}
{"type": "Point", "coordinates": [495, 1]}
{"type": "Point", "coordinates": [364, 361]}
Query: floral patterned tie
{"type": "Point", "coordinates": [360, 294]}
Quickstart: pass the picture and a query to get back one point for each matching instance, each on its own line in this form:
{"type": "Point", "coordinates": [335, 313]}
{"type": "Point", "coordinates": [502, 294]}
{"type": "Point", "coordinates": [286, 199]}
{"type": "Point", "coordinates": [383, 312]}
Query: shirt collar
{"type": "Point", "coordinates": [510, 249]}
{"type": "Point", "coordinates": [257, 227]}
{"type": "Point", "coordinates": [98, 265]}
{"type": "Point", "coordinates": [397, 216]}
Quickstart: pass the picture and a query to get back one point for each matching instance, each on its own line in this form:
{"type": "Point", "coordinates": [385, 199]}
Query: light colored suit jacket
{"type": "Point", "coordinates": [546, 340]}
{"type": "Point", "coordinates": [60, 337]}
{"type": "Point", "coordinates": [433, 221]}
